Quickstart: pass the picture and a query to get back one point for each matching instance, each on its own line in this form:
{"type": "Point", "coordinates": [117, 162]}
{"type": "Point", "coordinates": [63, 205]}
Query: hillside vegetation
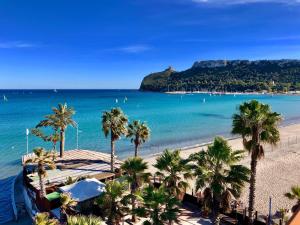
{"type": "Point", "coordinates": [228, 76]}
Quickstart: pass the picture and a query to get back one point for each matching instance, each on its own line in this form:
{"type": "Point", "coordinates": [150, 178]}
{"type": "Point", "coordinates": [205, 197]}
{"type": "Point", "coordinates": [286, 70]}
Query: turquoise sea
{"type": "Point", "coordinates": [175, 120]}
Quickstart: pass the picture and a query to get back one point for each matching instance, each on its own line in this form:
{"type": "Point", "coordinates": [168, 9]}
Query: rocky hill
{"type": "Point", "coordinates": [228, 75]}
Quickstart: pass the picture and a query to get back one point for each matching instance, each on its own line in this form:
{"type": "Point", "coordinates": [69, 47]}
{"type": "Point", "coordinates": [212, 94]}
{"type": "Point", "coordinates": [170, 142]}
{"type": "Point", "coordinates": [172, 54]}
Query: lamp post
{"type": "Point", "coordinates": [77, 137]}
{"type": "Point", "coordinates": [27, 146]}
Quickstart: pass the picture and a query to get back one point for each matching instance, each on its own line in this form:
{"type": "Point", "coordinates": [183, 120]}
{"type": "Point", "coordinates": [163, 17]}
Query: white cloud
{"type": "Point", "coordinates": [236, 2]}
{"type": "Point", "coordinates": [133, 48]}
{"type": "Point", "coordinates": [16, 44]}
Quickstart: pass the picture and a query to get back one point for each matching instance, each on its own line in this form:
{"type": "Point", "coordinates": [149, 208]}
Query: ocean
{"type": "Point", "coordinates": [175, 120]}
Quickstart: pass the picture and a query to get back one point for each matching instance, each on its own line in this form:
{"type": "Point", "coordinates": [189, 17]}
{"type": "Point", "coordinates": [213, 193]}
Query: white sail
{"type": "Point", "coordinates": [5, 98]}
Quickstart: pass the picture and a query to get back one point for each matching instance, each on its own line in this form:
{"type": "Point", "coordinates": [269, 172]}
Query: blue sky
{"type": "Point", "coordinates": [114, 43]}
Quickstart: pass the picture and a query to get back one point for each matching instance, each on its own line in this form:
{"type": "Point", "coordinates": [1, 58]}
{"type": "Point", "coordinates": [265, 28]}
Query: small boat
{"type": "Point", "coordinates": [125, 99]}
{"type": "Point", "coordinates": [5, 98]}
{"type": "Point", "coordinates": [204, 100]}
{"type": "Point", "coordinates": [117, 100]}
{"type": "Point", "coordinates": [55, 90]}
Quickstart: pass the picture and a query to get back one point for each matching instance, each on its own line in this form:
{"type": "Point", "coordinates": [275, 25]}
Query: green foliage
{"type": "Point", "coordinates": [218, 174]}
{"type": "Point", "coordinates": [257, 124]}
{"type": "Point", "coordinates": [134, 169]}
{"type": "Point", "coordinates": [44, 219]}
{"type": "Point", "coordinates": [294, 194]}
{"type": "Point", "coordinates": [59, 121]}
{"type": "Point", "coordinates": [114, 122]}
{"type": "Point", "coordinates": [67, 203]}
{"type": "Point", "coordinates": [139, 133]}
{"type": "Point", "coordinates": [42, 159]}
{"type": "Point", "coordinates": [173, 170]}
{"type": "Point", "coordinates": [84, 220]}
{"type": "Point", "coordinates": [158, 206]}
{"type": "Point", "coordinates": [231, 76]}
{"type": "Point", "coordinates": [112, 201]}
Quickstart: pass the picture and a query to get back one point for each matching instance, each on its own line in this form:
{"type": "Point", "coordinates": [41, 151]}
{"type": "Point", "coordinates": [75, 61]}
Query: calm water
{"type": "Point", "coordinates": [175, 120]}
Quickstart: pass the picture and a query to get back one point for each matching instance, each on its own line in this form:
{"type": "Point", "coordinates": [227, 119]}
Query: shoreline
{"type": "Point", "coordinates": [204, 144]}
{"type": "Point", "coordinates": [290, 93]}
{"type": "Point", "coordinates": [276, 172]}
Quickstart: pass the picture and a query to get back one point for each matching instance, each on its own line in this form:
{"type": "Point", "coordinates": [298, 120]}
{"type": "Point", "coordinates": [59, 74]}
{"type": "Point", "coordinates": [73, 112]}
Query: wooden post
{"type": "Point", "coordinates": [280, 222]}
{"type": "Point", "coordinates": [192, 192]}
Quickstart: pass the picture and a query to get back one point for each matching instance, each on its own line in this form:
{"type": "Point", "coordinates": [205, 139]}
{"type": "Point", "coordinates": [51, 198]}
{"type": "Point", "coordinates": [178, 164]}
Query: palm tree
{"type": "Point", "coordinates": [67, 205]}
{"type": "Point", "coordinates": [84, 220]}
{"type": "Point", "coordinates": [43, 159]}
{"type": "Point", "coordinates": [294, 194]}
{"type": "Point", "coordinates": [112, 201]}
{"type": "Point", "coordinates": [257, 125]}
{"type": "Point", "coordinates": [174, 171]}
{"type": "Point", "coordinates": [59, 120]}
{"type": "Point", "coordinates": [158, 206]}
{"type": "Point", "coordinates": [218, 174]}
{"type": "Point", "coordinates": [44, 219]}
{"type": "Point", "coordinates": [54, 137]}
{"type": "Point", "coordinates": [134, 169]}
{"type": "Point", "coordinates": [114, 123]}
{"type": "Point", "coordinates": [139, 134]}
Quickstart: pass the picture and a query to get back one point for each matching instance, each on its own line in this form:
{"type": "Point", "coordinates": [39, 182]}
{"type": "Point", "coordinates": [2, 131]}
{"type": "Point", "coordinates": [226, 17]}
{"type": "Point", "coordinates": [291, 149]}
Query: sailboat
{"type": "Point", "coordinates": [117, 100]}
{"type": "Point", "coordinates": [125, 99]}
{"type": "Point", "coordinates": [5, 98]}
{"type": "Point", "coordinates": [55, 90]}
{"type": "Point", "coordinates": [204, 100]}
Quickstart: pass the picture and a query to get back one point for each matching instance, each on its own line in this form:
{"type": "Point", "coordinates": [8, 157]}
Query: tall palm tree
{"type": "Point", "coordinates": [114, 123]}
{"type": "Point", "coordinates": [67, 205]}
{"type": "Point", "coordinates": [112, 201]}
{"type": "Point", "coordinates": [294, 194]}
{"type": "Point", "coordinates": [135, 176]}
{"type": "Point", "coordinates": [59, 120]}
{"type": "Point", "coordinates": [43, 159]}
{"type": "Point", "coordinates": [158, 206]}
{"type": "Point", "coordinates": [44, 219]}
{"type": "Point", "coordinates": [174, 171]}
{"type": "Point", "coordinates": [139, 134]}
{"type": "Point", "coordinates": [257, 125]}
{"type": "Point", "coordinates": [219, 175]}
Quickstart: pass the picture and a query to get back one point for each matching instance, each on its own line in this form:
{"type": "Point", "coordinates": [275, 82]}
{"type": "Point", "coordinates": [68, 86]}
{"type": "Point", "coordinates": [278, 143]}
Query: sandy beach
{"type": "Point", "coordinates": [276, 172]}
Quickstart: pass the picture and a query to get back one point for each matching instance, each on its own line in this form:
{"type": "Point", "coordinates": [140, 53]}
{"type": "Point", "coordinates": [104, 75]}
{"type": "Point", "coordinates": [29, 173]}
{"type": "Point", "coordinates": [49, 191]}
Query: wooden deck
{"type": "Point", "coordinates": [75, 164]}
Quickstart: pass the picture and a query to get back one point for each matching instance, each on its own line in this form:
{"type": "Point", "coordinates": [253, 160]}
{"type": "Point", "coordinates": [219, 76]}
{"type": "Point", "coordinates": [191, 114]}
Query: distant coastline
{"type": "Point", "coordinates": [232, 93]}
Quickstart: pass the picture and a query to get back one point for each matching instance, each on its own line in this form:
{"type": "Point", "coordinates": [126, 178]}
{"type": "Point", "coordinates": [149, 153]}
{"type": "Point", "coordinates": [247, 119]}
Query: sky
{"type": "Point", "coordinates": [113, 44]}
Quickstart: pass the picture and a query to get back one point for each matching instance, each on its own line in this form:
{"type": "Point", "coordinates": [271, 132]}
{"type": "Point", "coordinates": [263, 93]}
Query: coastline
{"type": "Point", "coordinates": [297, 93]}
{"type": "Point", "coordinates": [276, 172]}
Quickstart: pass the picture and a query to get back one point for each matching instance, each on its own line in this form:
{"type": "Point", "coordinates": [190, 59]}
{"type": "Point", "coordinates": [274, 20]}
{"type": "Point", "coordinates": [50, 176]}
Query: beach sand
{"type": "Point", "coordinates": [276, 172]}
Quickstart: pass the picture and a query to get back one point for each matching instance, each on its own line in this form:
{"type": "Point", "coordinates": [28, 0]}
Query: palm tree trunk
{"type": "Point", "coordinates": [133, 209]}
{"type": "Point", "coordinates": [136, 150]}
{"type": "Point", "coordinates": [62, 143]}
{"type": "Point", "coordinates": [216, 211]}
{"type": "Point", "coordinates": [252, 188]}
{"type": "Point", "coordinates": [112, 155]}
{"type": "Point", "coordinates": [42, 186]}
